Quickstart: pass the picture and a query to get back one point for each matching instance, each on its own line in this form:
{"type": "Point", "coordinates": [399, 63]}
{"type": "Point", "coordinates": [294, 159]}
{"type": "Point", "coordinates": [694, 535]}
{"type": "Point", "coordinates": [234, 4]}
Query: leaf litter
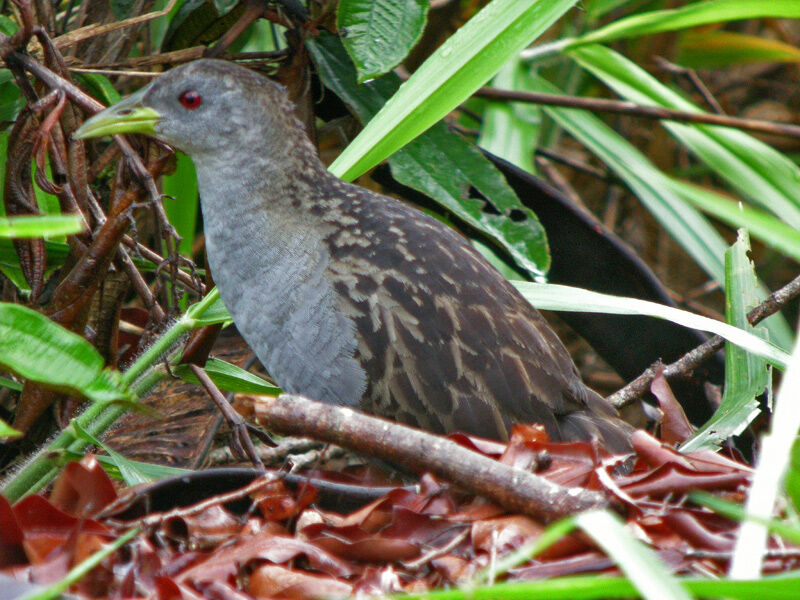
{"type": "Point", "coordinates": [273, 539]}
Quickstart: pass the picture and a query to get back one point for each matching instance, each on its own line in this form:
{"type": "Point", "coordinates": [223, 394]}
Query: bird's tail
{"type": "Point", "coordinates": [599, 421]}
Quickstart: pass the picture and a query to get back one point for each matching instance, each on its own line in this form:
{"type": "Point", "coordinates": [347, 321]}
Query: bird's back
{"type": "Point", "coordinates": [446, 341]}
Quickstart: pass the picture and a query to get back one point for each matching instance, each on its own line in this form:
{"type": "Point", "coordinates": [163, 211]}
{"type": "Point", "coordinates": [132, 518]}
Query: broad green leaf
{"type": "Point", "coordinates": [182, 201]}
{"type": "Point", "coordinates": [443, 165]}
{"type": "Point", "coordinates": [35, 348]}
{"type": "Point", "coordinates": [640, 563]}
{"type": "Point", "coordinates": [450, 169]}
{"type": "Point", "coordinates": [9, 260]}
{"type": "Point", "coordinates": [56, 252]}
{"type": "Point", "coordinates": [229, 378]}
{"type": "Point", "coordinates": [561, 297]}
{"type": "Point", "coordinates": [760, 224]}
{"type": "Point", "coordinates": [200, 22]}
{"type": "Point", "coordinates": [449, 76]}
{"type": "Point", "coordinates": [714, 49]}
{"type": "Point", "coordinates": [691, 15]}
{"type": "Point", "coordinates": [15, 276]}
{"type": "Point", "coordinates": [99, 416]}
{"type": "Point", "coordinates": [40, 226]}
{"type": "Point", "coordinates": [378, 34]}
{"type": "Point", "coordinates": [491, 254]}
{"type": "Point", "coordinates": [159, 26]}
{"type": "Point", "coordinates": [772, 462]}
{"type": "Point", "coordinates": [510, 129]}
{"type": "Point", "coordinates": [753, 168]}
{"type": "Point", "coordinates": [746, 375]}
{"type": "Point", "coordinates": [683, 222]}
{"type": "Point", "coordinates": [259, 38]}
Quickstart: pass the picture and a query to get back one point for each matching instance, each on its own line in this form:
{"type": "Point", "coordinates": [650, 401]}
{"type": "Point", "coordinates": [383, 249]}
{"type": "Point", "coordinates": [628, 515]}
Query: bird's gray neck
{"type": "Point", "coordinates": [250, 186]}
{"type": "Point", "coordinates": [269, 258]}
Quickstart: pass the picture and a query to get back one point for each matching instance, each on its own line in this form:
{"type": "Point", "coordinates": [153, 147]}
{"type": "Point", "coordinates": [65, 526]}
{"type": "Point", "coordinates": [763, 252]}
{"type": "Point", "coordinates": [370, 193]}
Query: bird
{"type": "Point", "coordinates": [348, 296]}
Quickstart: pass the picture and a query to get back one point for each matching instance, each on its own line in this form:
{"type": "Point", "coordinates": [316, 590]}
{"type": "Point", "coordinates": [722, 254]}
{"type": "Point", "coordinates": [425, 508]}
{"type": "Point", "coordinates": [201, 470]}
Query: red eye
{"type": "Point", "coordinates": [190, 99]}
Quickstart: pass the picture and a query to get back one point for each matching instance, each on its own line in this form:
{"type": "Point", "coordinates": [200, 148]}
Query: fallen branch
{"type": "Point", "coordinates": [514, 489]}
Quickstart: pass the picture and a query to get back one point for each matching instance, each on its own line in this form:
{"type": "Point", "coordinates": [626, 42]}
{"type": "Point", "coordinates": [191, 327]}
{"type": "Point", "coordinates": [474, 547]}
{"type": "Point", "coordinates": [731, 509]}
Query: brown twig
{"type": "Point", "coordinates": [515, 489]}
{"type": "Point", "coordinates": [91, 106]}
{"type": "Point", "coordinates": [181, 277]}
{"type": "Point", "coordinates": [636, 110]}
{"type": "Point", "coordinates": [94, 30]}
{"type": "Point", "coordinates": [692, 77]}
{"type": "Point", "coordinates": [133, 160]}
{"type": "Point", "coordinates": [694, 358]}
{"type": "Point", "coordinates": [140, 285]}
{"type": "Point", "coordinates": [574, 164]}
{"type": "Point", "coordinates": [554, 176]}
{"type": "Point", "coordinates": [123, 502]}
{"type": "Point", "coordinates": [277, 455]}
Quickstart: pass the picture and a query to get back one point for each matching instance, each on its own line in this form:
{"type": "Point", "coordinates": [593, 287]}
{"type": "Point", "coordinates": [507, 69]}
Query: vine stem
{"type": "Point", "coordinates": [139, 378]}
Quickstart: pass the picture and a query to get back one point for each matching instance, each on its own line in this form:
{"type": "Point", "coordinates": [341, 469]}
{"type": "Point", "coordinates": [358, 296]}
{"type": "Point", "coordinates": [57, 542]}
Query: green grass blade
{"type": "Point", "coordinates": [641, 564]}
{"type": "Point", "coordinates": [768, 229]}
{"type": "Point", "coordinates": [715, 49]}
{"type": "Point", "coordinates": [568, 298]}
{"type": "Point", "coordinates": [467, 60]}
{"type": "Point", "coordinates": [691, 15]}
{"type": "Point", "coordinates": [772, 463]}
{"type": "Point", "coordinates": [686, 225]}
{"type": "Point", "coordinates": [40, 226]}
{"type": "Point", "coordinates": [751, 167]}
{"type": "Point", "coordinates": [510, 129]}
{"type": "Point", "coordinates": [746, 375]}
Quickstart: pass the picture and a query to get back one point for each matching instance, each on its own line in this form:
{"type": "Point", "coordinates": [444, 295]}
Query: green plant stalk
{"type": "Point", "coordinates": [577, 587]}
{"type": "Point", "coordinates": [98, 417]}
{"type": "Point", "coordinates": [96, 423]}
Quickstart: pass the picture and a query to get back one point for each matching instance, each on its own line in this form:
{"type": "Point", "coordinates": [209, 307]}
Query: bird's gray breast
{"type": "Point", "coordinates": [271, 276]}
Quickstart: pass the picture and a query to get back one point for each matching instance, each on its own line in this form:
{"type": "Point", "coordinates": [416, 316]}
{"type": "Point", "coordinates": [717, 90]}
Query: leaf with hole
{"type": "Point", "coordinates": [443, 165]}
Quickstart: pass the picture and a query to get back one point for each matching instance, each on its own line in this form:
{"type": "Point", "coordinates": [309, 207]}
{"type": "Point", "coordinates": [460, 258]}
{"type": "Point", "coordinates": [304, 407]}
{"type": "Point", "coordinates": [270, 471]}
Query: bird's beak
{"type": "Point", "coordinates": [129, 115]}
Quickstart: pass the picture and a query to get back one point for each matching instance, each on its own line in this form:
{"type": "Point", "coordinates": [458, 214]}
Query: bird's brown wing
{"type": "Point", "coordinates": [447, 343]}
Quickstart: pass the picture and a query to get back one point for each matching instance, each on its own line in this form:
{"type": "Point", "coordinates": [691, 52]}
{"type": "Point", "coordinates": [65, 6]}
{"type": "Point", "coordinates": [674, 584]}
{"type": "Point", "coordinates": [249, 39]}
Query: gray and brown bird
{"type": "Point", "coordinates": [348, 296]}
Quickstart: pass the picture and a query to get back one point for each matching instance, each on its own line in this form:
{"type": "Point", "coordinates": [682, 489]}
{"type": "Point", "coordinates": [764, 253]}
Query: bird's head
{"type": "Point", "coordinates": [201, 107]}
